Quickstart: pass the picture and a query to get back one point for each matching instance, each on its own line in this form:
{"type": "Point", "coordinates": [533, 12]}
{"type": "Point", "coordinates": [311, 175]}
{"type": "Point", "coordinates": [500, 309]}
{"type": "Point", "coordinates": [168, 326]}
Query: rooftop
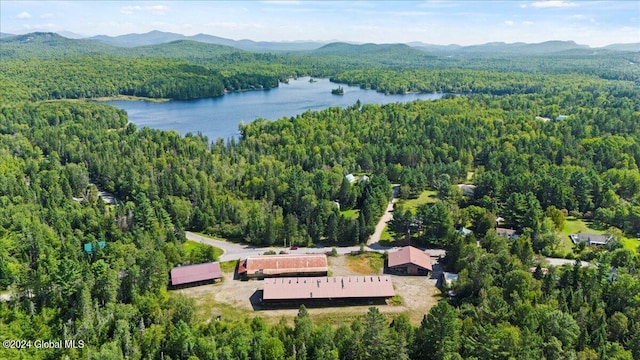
{"type": "Point", "coordinates": [282, 264]}
{"type": "Point", "coordinates": [590, 239]}
{"type": "Point", "coordinates": [449, 278]}
{"type": "Point", "coordinates": [410, 255]}
{"type": "Point", "coordinates": [337, 287]}
{"type": "Point", "coordinates": [467, 189]}
{"type": "Point", "coordinates": [89, 249]}
{"type": "Point", "coordinates": [505, 232]}
{"type": "Point", "coordinates": [194, 273]}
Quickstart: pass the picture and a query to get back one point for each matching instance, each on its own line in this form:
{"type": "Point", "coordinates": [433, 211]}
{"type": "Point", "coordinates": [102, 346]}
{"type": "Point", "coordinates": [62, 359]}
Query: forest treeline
{"type": "Point", "coordinates": [105, 76]}
{"type": "Point", "coordinates": [282, 181]}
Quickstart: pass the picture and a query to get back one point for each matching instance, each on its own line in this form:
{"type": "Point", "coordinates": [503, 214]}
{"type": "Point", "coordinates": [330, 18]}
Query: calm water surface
{"type": "Point", "coordinates": [219, 117]}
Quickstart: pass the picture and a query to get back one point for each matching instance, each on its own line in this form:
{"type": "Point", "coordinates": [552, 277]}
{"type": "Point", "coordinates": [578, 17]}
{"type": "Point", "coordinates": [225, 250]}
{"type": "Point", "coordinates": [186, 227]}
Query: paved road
{"type": "Point", "coordinates": [234, 251]}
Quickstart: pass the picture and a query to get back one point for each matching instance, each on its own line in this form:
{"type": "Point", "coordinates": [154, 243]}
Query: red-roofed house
{"type": "Point", "coordinates": [195, 274]}
{"type": "Point", "coordinates": [409, 261]}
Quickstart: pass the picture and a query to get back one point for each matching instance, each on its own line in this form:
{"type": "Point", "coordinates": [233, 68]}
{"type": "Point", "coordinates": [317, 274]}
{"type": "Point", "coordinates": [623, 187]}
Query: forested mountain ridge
{"type": "Point", "coordinates": [332, 59]}
{"type": "Point", "coordinates": [159, 37]}
{"type": "Point", "coordinates": [280, 181]}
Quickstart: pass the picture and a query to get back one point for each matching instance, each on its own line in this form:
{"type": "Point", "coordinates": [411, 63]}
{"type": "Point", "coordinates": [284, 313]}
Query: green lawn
{"type": "Point", "coordinates": [229, 266]}
{"type": "Point", "coordinates": [426, 197]}
{"type": "Point", "coordinates": [470, 175]}
{"type": "Point", "coordinates": [574, 226]}
{"type": "Point", "coordinates": [189, 246]}
{"type": "Point", "coordinates": [366, 263]}
{"type": "Point", "coordinates": [631, 244]}
{"type": "Point", "coordinates": [386, 235]}
{"type": "Point", "coordinates": [350, 214]}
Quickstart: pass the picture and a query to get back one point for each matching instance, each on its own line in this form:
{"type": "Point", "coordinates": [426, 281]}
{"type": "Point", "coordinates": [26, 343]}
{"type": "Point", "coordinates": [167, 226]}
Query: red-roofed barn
{"type": "Point", "coordinates": [195, 274]}
{"type": "Point", "coordinates": [367, 287]}
{"type": "Point", "coordinates": [283, 265]}
{"type": "Point", "coordinates": [409, 261]}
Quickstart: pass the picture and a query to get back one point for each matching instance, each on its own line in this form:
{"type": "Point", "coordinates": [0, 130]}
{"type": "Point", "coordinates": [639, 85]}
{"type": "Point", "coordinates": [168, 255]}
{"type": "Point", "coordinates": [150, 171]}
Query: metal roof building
{"type": "Point", "coordinates": [189, 274]}
{"type": "Point", "coordinates": [283, 265]}
{"type": "Point", "coordinates": [409, 261]}
{"type": "Point", "coordinates": [328, 288]}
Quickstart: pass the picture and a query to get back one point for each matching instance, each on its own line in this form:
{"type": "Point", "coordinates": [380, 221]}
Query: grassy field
{"type": "Point", "coordinates": [228, 266]}
{"type": "Point", "coordinates": [470, 175]}
{"type": "Point", "coordinates": [350, 214]}
{"type": "Point", "coordinates": [574, 226]}
{"type": "Point", "coordinates": [367, 263]}
{"type": "Point", "coordinates": [189, 246]}
{"type": "Point", "coordinates": [386, 235]}
{"type": "Point", "coordinates": [426, 197]}
{"type": "Point", "coordinates": [631, 244]}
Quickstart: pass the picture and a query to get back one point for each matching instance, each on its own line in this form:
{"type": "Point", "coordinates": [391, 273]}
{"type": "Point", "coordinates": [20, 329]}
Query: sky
{"type": "Point", "coordinates": [594, 23]}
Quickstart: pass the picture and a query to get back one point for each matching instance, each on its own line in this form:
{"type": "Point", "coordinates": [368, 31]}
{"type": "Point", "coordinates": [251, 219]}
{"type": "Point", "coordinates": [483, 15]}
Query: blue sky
{"type": "Point", "coordinates": [594, 23]}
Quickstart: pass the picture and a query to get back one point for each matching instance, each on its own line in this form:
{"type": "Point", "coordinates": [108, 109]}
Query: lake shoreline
{"type": "Point", "coordinates": [220, 117]}
{"type": "Point", "coordinates": [129, 98]}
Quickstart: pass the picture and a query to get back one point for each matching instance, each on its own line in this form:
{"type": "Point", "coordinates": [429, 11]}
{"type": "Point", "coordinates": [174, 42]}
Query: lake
{"type": "Point", "coordinates": [219, 117]}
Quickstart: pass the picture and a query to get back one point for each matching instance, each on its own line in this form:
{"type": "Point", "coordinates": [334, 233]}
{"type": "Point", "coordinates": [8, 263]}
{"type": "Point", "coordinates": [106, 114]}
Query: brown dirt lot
{"type": "Point", "coordinates": [231, 299]}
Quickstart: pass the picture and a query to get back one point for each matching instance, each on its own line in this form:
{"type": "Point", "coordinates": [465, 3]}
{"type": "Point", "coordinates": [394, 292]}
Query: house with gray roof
{"type": "Point", "coordinates": [591, 239]}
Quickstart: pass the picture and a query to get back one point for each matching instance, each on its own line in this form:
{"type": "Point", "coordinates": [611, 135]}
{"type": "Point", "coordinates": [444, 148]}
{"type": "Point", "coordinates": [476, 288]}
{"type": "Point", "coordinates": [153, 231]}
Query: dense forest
{"type": "Point", "coordinates": [281, 179]}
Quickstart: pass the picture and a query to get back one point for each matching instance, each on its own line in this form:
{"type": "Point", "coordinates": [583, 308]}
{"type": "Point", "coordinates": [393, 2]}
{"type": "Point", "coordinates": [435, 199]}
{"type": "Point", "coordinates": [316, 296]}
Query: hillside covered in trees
{"type": "Point", "coordinates": [280, 181]}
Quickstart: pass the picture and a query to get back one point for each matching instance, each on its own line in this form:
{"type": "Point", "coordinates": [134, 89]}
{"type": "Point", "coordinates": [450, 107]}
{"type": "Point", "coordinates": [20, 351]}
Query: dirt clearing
{"type": "Point", "coordinates": [232, 299]}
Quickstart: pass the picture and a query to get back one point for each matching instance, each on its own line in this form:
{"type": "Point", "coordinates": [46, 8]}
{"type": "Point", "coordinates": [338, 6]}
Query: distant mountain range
{"type": "Point", "coordinates": [160, 37]}
{"type": "Point", "coordinates": [140, 41]}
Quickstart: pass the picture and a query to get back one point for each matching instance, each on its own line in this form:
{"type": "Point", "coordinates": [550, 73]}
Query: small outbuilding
{"type": "Point", "coordinates": [89, 248]}
{"type": "Point", "coordinates": [409, 261]}
{"type": "Point", "coordinates": [448, 279]}
{"type": "Point", "coordinates": [467, 189]}
{"type": "Point", "coordinates": [197, 274]}
{"type": "Point", "coordinates": [507, 233]}
{"type": "Point", "coordinates": [464, 231]}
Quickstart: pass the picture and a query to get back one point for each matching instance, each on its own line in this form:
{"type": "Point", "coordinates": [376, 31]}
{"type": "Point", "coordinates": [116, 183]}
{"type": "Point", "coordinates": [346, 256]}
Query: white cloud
{"type": "Point", "coordinates": [24, 15]}
{"type": "Point", "coordinates": [129, 10]}
{"type": "Point", "coordinates": [153, 9]}
{"type": "Point", "coordinates": [508, 23]}
{"type": "Point", "coordinates": [528, 23]}
{"type": "Point", "coordinates": [552, 4]}
{"type": "Point", "coordinates": [46, 16]}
